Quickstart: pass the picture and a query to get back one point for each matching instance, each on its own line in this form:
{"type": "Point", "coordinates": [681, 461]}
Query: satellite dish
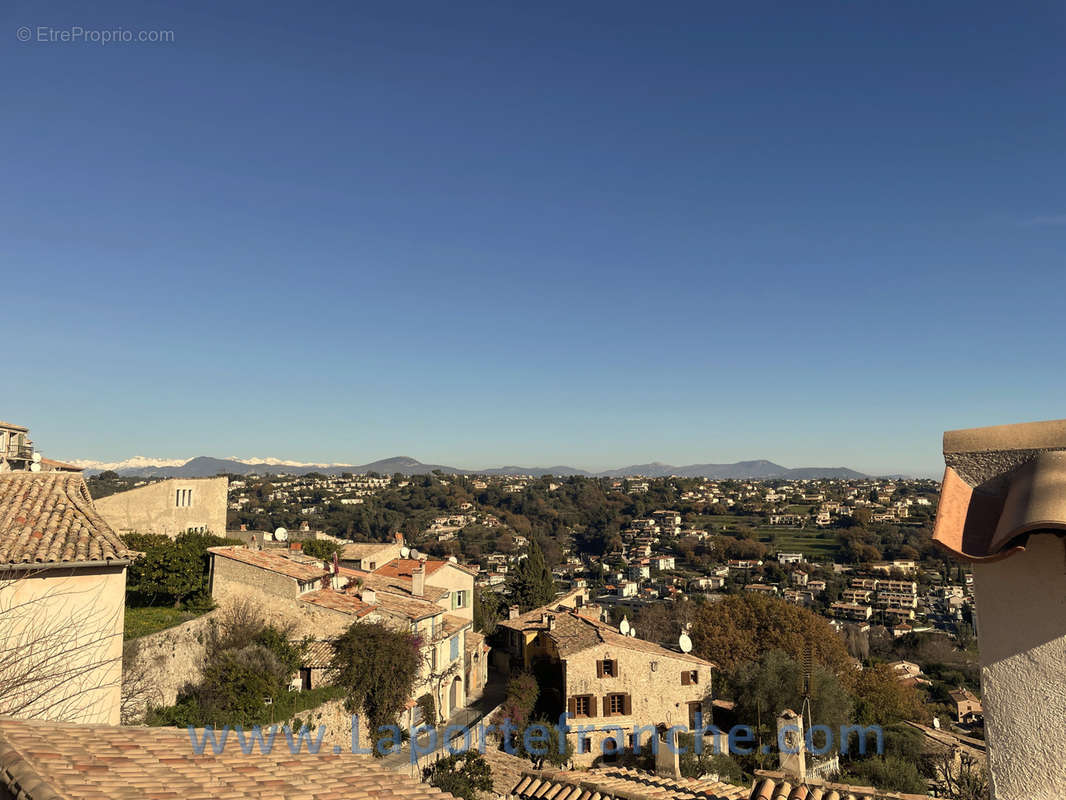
{"type": "Point", "coordinates": [453, 560]}
{"type": "Point", "coordinates": [35, 466]}
{"type": "Point", "coordinates": [624, 628]}
{"type": "Point", "coordinates": [632, 633]}
{"type": "Point", "coordinates": [414, 555]}
{"type": "Point", "coordinates": [405, 552]}
{"type": "Point", "coordinates": [281, 534]}
{"type": "Point", "coordinates": [36, 458]}
{"type": "Point", "coordinates": [685, 643]}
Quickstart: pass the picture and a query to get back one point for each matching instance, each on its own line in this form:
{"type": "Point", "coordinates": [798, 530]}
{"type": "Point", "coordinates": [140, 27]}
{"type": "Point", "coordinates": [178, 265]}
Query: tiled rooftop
{"type": "Point", "coordinates": [402, 567]}
{"type": "Point", "coordinates": [620, 784]}
{"type": "Point", "coordinates": [1000, 485]}
{"type": "Point", "coordinates": [274, 562]}
{"type": "Point", "coordinates": [574, 632]}
{"type": "Point", "coordinates": [385, 583]}
{"type": "Point", "coordinates": [49, 517]}
{"type": "Point", "coordinates": [57, 761]}
{"type": "Point", "coordinates": [772, 785]}
{"type": "Point", "coordinates": [338, 601]}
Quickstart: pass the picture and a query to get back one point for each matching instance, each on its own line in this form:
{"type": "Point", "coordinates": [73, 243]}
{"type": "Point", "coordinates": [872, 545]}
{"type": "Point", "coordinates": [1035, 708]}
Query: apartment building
{"type": "Point", "coordinates": [16, 448]}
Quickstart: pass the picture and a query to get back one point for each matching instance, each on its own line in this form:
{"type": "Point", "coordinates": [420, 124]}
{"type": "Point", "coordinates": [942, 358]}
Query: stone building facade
{"type": "Point", "coordinates": [618, 690]}
{"type": "Point", "coordinates": [169, 507]}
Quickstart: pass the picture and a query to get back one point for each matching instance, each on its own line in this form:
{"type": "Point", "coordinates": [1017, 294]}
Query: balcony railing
{"type": "Point", "coordinates": [20, 452]}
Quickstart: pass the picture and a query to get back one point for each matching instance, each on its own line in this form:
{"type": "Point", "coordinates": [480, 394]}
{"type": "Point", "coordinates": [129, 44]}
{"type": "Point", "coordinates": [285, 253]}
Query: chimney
{"type": "Point", "coordinates": [512, 612]}
{"type": "Point", "coordinates": [399, 538]}
{"type": "Point", "coordinates": [244, 527]}
{"type": "Point", "coordinates": [296, 546]}
{"type": "Point", "coordinates": [667, 756]}
{"type": "Point", "coordinates": [369, 596]}
{"type": "Point", "coordinates": [418, 580]}
{"type": "Point", "coordinates": [793, 753]}
{"type": "Point", "coordinates": [551, 622]}
{"type": "Point", "coordinates": [1003, 510]}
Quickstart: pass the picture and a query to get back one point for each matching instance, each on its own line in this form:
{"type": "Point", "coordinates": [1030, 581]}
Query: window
{"type": "Point", "coordinates": [616, 704]}
{"type": "Point", "coordinates": [586, 744]}
{"type": "Point", "coordinates": [459, 599]}
{"type": "Point", "coordinates": [690, 677]}
{"type": "Point", "coordinates": [183, 498]}
{"type": "Point", "coordinates": [454, 648]}
{"type": "Point", "coordinates": [607, 668]}
{"type": "Point", "coordinates": [583, 705]}
{"type": "Point", "coordinates": [373, 566]}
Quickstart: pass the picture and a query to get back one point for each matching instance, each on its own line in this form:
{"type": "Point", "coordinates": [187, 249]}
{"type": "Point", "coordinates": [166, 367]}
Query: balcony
{"type": "Point", "coordinates": [19, 452]}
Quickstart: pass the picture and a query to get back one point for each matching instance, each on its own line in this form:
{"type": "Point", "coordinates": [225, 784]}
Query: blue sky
{"type": "Point", "coordinates": [583, 233]}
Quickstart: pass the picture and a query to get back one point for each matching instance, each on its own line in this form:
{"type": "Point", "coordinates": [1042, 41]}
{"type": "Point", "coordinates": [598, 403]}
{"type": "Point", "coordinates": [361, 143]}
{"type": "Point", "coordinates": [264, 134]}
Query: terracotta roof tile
{"type": "Point", "coordinates": [574, 632]}
{"type": "Point", "coordinates": [385, 583]}
{"type": "Point", "coordinates": [337, 601]}
{"type": "Point", "coordinates": [91, 762]}
{"type": "Point", "coordinates": [619, 783]}
{"type": "Point", "coordinates": [772, 784]}
{"type": "Point", "coordinates": [49, 517]}
{"type": "Point", "coordinates": [273, 561]}
{"type": "Point", "coordinates": [1000, 485]}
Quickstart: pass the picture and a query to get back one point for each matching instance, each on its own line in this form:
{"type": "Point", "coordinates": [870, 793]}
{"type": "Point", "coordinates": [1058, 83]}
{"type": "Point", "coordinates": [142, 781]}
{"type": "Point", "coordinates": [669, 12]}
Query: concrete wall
{"type": "Point", "coordinates": [62, 629]}
{"type": "Point", "coordinates": [1021, 610]}
{"type": "Point", "coordinates": [154, 508]}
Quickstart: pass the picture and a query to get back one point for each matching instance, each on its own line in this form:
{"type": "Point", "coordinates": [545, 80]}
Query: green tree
{"type": "Point", "coordinates": [172, 571]}
{"type": "Point", "coordinates": [742, 627]}
{"type": "Point", "coordinates": [531, 584]}
{"type": "Point", "coordinates": [322, 549]}
{"type": "Point", "coordinates": [888, 773]}
{"type": "Point", "coordinates": [377, 667]}
{"type": "Point", "coordinates": [465, 775]}
{"type": "Point", "coordinates": [880, 699]}
{"type": "Point", "coordinates": [766, 688]}
{"type": "Point", "coordinates": [486, 611]}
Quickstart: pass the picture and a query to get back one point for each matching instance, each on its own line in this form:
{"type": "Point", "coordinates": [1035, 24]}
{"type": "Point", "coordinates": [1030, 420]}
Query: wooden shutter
{"type": "Point", "coordinates": [627, 706]}
{"type": "Point", "coordinates": [686, 678]}
{"type": "Point", "coordinates": [614, 666]}
{"type": "Point", "coordinates": [599, 669]}
{"type": "Point", "coordinates": [571, 706]}
{"type": "Point", "coordinates": [592, 706]}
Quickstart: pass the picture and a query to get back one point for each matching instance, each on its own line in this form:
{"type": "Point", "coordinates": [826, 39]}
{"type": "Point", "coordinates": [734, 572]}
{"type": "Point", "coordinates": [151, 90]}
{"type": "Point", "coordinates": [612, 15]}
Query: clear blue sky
{"type": "Point", "coordinates": [583, 233]}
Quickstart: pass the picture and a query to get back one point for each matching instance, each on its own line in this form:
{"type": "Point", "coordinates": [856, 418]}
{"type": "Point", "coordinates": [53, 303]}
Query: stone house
{"type": "Point", "coordinates": [169, 507]}
{"type": "Point", "coordinates": [967, 705]}
{"type": "Point", "coordinates": [323, 602]}
{"type": "Point", "coordinates": [618, 690]}
{"type": "Point", "coordinates": [62, 601]}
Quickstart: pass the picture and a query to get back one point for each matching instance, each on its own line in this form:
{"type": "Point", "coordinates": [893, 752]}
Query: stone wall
{"type": "Point", "coordinates": [157, 666]}
{"type": "Point", "coordinates": [154, 508]}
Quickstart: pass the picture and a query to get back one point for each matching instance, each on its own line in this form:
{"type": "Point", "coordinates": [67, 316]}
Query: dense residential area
{"type": "Point", "coordinates": [630, 618]}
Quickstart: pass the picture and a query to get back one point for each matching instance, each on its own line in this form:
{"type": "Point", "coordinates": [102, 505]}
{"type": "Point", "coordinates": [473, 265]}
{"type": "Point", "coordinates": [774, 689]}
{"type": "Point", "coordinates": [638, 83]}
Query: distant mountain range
{"type": "Point", "coordinates": [205, 467]}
